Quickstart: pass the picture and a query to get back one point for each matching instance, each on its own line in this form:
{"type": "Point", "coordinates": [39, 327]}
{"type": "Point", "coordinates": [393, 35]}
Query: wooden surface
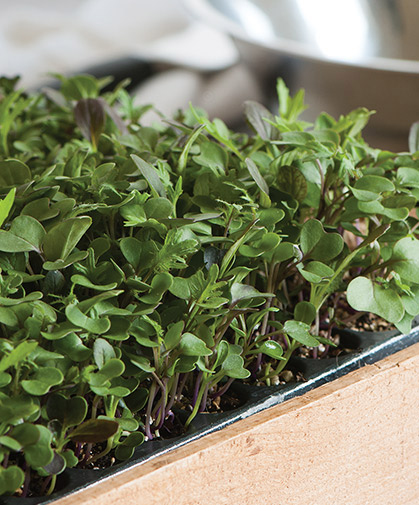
{"type": "Point", "coordinates": [354, 441]}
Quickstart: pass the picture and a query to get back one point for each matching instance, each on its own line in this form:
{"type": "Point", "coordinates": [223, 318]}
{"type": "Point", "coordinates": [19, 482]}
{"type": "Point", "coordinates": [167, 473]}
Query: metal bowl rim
{"type": "Point", "coordinates": [206, 13]}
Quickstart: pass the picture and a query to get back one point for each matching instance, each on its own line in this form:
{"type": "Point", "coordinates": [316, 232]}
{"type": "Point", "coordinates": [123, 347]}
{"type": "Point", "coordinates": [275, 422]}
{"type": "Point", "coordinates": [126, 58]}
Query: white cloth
{"type": "Point", "coordinates": [64, 36]}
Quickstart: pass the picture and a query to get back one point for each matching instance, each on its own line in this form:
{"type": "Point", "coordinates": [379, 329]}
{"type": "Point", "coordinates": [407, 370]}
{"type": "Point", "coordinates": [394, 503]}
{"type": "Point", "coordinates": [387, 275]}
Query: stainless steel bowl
{"type": "Point", "coordinates": [345, 53]}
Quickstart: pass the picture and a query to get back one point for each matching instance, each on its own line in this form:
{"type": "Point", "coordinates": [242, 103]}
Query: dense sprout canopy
{"type": "Point", "coordinates": [143, 269]}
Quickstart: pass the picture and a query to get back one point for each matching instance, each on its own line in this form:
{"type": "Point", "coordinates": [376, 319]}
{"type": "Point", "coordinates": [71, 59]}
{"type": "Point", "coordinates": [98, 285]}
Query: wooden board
{"type": "Point", "coordinates": [353, 441]}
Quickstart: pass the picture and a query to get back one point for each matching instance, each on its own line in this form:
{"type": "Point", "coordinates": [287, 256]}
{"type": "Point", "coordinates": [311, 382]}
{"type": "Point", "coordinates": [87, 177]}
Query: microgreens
{"type": "Point", "coordinates": [144, 269]}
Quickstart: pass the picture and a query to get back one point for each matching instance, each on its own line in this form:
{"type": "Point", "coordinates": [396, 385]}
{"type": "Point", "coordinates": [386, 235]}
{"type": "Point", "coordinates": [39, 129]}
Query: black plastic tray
{"type": "Point", "coordinates": [367, 348]}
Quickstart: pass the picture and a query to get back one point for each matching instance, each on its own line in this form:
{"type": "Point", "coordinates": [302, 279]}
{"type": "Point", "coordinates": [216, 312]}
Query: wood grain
{"type": "Point", "coordinates": [354, 441]}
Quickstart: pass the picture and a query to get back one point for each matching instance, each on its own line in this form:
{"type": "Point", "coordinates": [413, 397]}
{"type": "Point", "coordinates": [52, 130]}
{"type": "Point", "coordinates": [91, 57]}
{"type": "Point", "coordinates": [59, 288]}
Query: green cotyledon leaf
{"type": "Point", "coordinates": [13, 173]}
{"type": "Point", "coordinates": [112, 368]}
{"type": "Point", "coordinates": [61, 239]}
{"type": "Point", "coordinates": [97, 325]}
{"type": "Point", "coordinates": [69, 411]}
{"type": "Point", "coordinates": [42, 381]}
{"type": "Point", "coordinates": [25, 234]}
{"type": "Point", "coordinates": [300, 332]}
{"type": "Point", "coordinates": [191, 345]}
{"type": "Point", "coordinates": [11, 479]}
{"type": "Point", "coordinates": [318, 244]}
{"type": "Point", "coordinates": [40, 453]}
{"type": "Point", "coordinates": [272, 349]}
{"type": "Point", "coordinates": [365, 295]}
{"type": "Point", "coordinates": [405, 259]}
{"type": "Point", "coordinates": [233, 366]}
{"type": "Point", "coordinates": [13, 410]}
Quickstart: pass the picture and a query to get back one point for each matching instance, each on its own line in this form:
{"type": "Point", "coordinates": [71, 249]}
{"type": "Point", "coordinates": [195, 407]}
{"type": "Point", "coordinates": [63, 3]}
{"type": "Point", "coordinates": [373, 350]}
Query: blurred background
{"type": "Point", "coordinates": [218, 53]}
{"type": "Point", "coordinates": [193, 62]}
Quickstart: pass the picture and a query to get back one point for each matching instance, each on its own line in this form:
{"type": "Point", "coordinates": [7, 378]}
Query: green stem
{"type": "Point", "coordinates": [105, 451]}
{"type": "Point", "coordinates": [94, 406]}
{"type": "Point", "coordinates": [319, 298]}
{"type": "Point", "coordinates": [16, 381]}
{"type": "Point", "coordinates": [52, 485]}
{"type": "Point", "coordinates": [112, 226]}
{"type": "Point", "coordinates": [198, 401]}
{"type": "Point", "coordinates": [288, 353]}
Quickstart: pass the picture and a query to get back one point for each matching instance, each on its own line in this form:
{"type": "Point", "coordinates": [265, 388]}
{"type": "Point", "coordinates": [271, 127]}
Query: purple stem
{"type": "Point", "coordinates": [326, 350]}
{"type": "Point", "coordinates": [78, 449]}
{"type": "Point", "coordinates": [346, 307]}
{"type": "Point", "coordinates": [162, 407]}
{"type": "Point", "coordinates": [156, 415]}
{"type": "Point", "coordinates": [222, 390]}
{"type": "Point", "coordinates": [87, 452]}
{"type": "Point", "coordinates": [46, 484]}
{"type": "Point", "coordinates": [163, 417]}
{"type": "Point", "coordinates": [148, 413]}
{"type": "Point", "coordinates": [258, 361]}
{"type": "Point", "coordinates": [27, 481]}
{"type": "Point", "coordinates": [172, 394]}
{"type": "Point", "coordinates": [204, 400]}
{"type": "Point", "coordinates": [181, 385]}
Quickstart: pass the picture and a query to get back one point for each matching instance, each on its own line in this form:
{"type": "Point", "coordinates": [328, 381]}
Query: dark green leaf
{"type": "Point", "coordinates": [72, 346]}
{"type": "Point", "coordinates": [60, 264]}
{"type": "Point", "coordinates": [69, 411]}
{"type": "Point", "coordinates": [93, 325]}
{"type": "Point", "coordinates": [305, 312]}
{"type": "Point", "coordinates": [293, 182]}
{"type": "Point", "coordinates": [13, 173]}
{"type": "Point", "coordinates": [317, 244]}
{"type": "Point", "coordinates": [10, 443]}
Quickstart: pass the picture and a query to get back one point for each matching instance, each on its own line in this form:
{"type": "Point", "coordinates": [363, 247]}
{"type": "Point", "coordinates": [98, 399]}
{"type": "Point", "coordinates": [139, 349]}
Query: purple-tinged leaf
{"type": "Point", "coordinates": [90, 115]}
